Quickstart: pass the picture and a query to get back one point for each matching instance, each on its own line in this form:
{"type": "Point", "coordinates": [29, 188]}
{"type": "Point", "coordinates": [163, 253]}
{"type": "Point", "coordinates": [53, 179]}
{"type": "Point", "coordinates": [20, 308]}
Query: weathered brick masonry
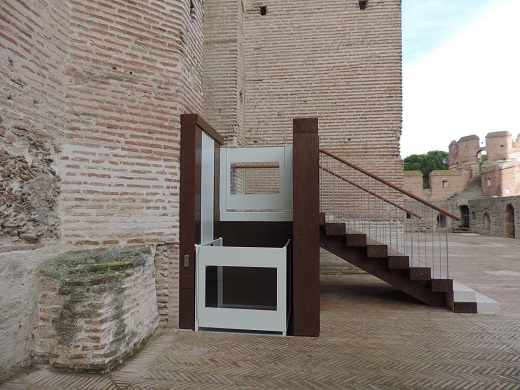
{"type": "Point", "coordinates": [333, 61]}
{"type": "Point", "coordinates": [91, 94]}
{"type": "Point", "coordinates": [490, 216]}
{"type": "Point", "coordinates": [95, 308]}
{"type": "Point", "coordinates": [133, 69]}
{"type": "Point", "coordinates": [329, 60]}
{"type": "Point", "coordinates": [34, 42]}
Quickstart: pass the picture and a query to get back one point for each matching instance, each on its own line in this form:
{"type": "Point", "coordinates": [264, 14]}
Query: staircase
{"type": "Point", "coordinates": [473, 190]}
{"type": "Point", "coordinates": [391, 234]}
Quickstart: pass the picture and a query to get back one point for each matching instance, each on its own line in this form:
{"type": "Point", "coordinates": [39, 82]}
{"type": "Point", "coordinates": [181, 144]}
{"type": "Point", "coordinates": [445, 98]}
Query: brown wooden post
{"type": "Point", "coordinates": [192, 126]}
{"type": "Point", "coordinates": [306, 233]}
{"type": "Point", "coordinates": [189, 218]}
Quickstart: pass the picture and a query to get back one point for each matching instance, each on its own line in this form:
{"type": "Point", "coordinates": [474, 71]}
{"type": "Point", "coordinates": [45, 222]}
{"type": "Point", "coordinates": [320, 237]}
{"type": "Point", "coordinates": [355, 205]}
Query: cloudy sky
{"type": "Point", "coordinates": [461, 71]}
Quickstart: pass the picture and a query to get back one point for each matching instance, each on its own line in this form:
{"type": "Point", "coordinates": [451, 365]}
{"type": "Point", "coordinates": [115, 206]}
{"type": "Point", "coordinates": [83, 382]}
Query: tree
{"type": "Point", "coordinates": [433, 160]}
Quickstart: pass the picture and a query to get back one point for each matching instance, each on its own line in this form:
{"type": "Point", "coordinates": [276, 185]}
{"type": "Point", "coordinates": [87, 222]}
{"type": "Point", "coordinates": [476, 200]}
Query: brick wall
{"type": "Point", "coordinates": [501, 178]}
{"type": "Point", "coordinates": [304, 59]}
{"type": "Point", "coordinates": [34, 45]}
{"type": "Point", "coordinates": [413, 182]}
{"type": "Point", "coordinates": [453, 154]}
{"type": "Point", "coordinates": [134, 68]}
{"type": "Point", "coordinates": [499, 145]}
{"type": "Point", "coordinates": [444, 184]}
{"type": "Point", "coordinates": [33, 51]}
{"type": "Point", "coordinates": [95, 308]}
{"type": "Point", "coordinates": [89, 136]}
{"type": "Point", "coordinates": [224, 73]}
{"type": "Point", "coordinates": [166, 281]}
{"type": "Point", "coordinates": [464, 151]}
{"type": "Point", "coordinates": [131, 74]}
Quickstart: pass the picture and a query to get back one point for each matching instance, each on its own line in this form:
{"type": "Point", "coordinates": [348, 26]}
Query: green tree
{"type": "Point", "coordinates": [433, 160]}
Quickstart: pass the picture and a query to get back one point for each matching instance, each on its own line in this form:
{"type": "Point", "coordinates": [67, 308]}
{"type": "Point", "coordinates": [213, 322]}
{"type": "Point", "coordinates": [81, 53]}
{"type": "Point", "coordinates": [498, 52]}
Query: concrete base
{"type": "Point", "coordinates": [464, 299]}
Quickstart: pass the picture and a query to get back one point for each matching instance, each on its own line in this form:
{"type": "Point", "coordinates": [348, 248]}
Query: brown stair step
{"type": "Point", "coordinates": [398, 262]}
{"type": "Point", "coordinates": [441, 285]}
{"type": "Point", "coordinates": [356, 239]}
{"type": "Point", "coordinates": [335, 229]}
{"type": "Point", "coordinates": [419, 273]}
{"type": "Point", "coordinates": [376, 249]}
{"type": "Point", "coordinates": [465, 307]}
{"type": "Point", "coordinates": [353, 237]}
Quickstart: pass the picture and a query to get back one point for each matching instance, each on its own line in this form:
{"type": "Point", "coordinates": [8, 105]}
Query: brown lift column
{"type": "Point", "coordinates": [306, 225]}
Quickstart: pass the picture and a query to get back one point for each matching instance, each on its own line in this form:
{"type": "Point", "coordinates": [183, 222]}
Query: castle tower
{"type": "Point", "coordinates": [499, 145]}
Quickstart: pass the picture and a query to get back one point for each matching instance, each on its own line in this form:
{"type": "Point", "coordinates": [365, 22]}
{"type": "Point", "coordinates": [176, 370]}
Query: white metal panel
{"type": "Point", "coordinates": [212, 243]}
{"type": "Point", "coordinates": [207, 178]}
{"type": "Point", "coordinates": [259, 207]}
{"type": "Point", "coordinates": [249, 319]}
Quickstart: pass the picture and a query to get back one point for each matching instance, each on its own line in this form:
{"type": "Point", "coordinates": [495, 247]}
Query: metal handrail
{"type": "Point", "coordinates": [370, 192]}
{"type": "Point", "coordinates": [386, 213]}
{"type": "Point", "coordinates": [389, 184]}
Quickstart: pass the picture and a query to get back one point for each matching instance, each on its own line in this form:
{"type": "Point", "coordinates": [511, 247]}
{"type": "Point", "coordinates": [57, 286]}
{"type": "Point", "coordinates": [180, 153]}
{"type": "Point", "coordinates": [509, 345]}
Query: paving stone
{"type": "Point", "coordinates": [372, 336]}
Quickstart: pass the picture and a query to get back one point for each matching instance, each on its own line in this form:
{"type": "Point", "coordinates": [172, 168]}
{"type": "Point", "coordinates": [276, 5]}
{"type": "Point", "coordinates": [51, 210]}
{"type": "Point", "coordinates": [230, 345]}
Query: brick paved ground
{"type": "Point", "coordinates": [373, 337]}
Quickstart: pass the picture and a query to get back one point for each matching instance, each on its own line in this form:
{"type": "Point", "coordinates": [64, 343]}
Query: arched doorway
{"type": "Point", "coordinates": [464, 216]}
{"type": "Point", "coordinates": [487, 222]}
{"type": "Point", "coordinates": [441, 221]}
{"type": "Point", "coordinates": [510, 221]}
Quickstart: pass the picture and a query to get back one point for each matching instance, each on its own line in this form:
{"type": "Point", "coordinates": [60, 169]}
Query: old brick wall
{"type": "Point", "coordinates": [95, 308]}
{"type": "Point", "coordinates": [134, 68]}
{"type": "Point", "coordinates": [444, 184]}
{"type": "Point", "coordinates": [34, 46]}
{"type": "Point", "coordinates": [128, 84]}
{"type": "Point", "coordinates": [501, 178]}
{"type": "Point", "coordinates": [495, 208]}
{"type": "Point", "coordinates": [89, 137]}
{"type": "Point", "coordinates": [464, 151]}
{"type": "Point", "coordinates": [333, 61]}
{"type": "Point", "coordinates": [499, 145]}
{"type": "Point", "coordinates": [413, 182]}
{"type": "Point", "coordinates": [224, 71]}
{"type": "Point", "coordinates": [33, 52]}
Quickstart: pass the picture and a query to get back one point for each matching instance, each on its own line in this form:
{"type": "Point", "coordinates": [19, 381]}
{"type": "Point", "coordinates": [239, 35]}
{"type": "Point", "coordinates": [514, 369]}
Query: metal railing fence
{"type": "Point", "coordinates": [386, 213]}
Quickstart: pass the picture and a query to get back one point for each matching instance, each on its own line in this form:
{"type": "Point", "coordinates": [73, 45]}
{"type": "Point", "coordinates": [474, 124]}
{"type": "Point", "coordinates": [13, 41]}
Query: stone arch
{"type": "Point", "coordinates": [486, 221]}
{"type": "Point", "coordinates": [510, 221]}
{"type": "Point", "coordinates": [441, 221]}
{"type": "Point", "coordinates": [482, 155]}
{"type": "Point", "coordinates": [464, 216]}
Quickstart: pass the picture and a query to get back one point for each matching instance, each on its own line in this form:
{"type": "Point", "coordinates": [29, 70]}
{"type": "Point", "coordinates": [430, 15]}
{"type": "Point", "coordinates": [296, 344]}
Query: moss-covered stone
{"type": "Point", "coordinates": [86, 276]}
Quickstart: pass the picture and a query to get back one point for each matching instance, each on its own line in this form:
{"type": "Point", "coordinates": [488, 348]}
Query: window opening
{"type": "Point", "coordinates": [255, 178]}
{"type": "Point", "coordinates": [241, 288]}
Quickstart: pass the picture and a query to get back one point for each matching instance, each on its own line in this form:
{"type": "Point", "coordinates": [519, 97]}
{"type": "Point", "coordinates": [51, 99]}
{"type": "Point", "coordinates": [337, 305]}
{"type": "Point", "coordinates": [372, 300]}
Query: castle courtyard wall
{"type": "Point", "coordinates": [495, 208]}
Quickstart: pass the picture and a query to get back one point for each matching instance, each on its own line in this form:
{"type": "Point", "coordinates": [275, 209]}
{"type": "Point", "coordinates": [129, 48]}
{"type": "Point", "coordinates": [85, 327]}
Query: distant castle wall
{"type": "Point", "coordinates": [495, 216]}
{"type": "Point", "coordinates": [499, 174]}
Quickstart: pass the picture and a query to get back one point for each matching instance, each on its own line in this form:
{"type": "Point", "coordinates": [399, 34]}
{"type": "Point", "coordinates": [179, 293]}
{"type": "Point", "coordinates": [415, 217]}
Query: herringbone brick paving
{"type": "Point", "coordinates": [372, 337]}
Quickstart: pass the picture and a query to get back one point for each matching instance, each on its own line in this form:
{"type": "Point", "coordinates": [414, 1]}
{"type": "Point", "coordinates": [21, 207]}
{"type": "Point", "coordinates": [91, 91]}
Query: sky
{"type": "Point", "coordinates": [461, 71]}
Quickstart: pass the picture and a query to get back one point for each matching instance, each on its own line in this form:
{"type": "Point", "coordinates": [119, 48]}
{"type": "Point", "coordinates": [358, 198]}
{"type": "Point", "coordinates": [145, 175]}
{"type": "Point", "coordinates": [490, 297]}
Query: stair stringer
{"type": "Point", "coordinates": [355, 256]}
